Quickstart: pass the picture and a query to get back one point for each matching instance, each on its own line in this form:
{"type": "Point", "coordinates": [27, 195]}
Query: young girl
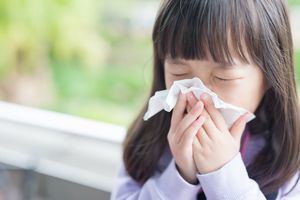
{"type": "Point", "coordinates": [242, 50]}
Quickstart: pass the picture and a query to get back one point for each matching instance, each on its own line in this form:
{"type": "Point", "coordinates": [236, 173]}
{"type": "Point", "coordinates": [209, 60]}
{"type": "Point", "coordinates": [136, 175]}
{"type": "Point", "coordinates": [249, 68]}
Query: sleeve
{"type": "Point", "coordinates": [291, 190]}
{"type": "Point", "coordinates": [168, 185]}
{"type": "Point", "coordinates": [231, 182]}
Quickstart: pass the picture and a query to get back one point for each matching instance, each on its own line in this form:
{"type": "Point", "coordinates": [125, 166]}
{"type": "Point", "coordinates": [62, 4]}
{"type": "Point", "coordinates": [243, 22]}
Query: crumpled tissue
{"type": "Point", "coordinates": [166, 100]}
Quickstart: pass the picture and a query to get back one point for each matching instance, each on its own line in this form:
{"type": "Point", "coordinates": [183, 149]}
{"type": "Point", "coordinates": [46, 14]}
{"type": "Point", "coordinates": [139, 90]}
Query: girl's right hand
{"type": "Point", "coordinates": [183, 130]}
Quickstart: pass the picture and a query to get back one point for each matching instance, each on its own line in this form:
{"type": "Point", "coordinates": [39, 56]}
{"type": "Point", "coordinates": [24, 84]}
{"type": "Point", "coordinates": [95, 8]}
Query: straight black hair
{"type": "Point", "coordinates": [256, 32]}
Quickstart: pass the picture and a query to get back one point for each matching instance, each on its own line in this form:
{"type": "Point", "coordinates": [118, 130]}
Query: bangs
{"type": "Point", "coordinates": [216, 30]}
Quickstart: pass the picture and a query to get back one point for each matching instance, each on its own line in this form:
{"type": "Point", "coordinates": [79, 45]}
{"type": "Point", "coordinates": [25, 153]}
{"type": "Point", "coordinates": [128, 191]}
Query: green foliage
{"type": "Point", "coordinates": [294, 2]}
{"type": "Point", "coordinates": [34, 32]}
{"type": "Point", "coordinates": [100, 67]}
{"type": "Point", "coordinates": [297, 65]}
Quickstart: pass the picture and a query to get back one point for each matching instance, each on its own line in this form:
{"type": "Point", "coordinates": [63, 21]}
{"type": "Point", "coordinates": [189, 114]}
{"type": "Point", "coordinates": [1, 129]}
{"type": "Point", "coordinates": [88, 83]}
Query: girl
{"type": "Point", "coordinates": [242, 50]}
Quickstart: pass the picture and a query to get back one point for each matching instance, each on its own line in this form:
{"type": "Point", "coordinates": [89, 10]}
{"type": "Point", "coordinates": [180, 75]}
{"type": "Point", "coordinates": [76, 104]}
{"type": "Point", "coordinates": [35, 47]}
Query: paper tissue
{"type": "Point", "coordinates": [166, 100]}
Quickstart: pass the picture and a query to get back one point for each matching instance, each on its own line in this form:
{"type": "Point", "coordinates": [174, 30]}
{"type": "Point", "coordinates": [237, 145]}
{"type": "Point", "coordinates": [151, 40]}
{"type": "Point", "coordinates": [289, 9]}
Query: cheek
{"type": "Point", "coordinates": [247, 94]}
{"type": "Point", "coordinates": [168, 84]}
{"type": "Point", "coordinates": [253, 96]}
{"type": "Point", "coordinates": [242, 97]}
{"type": "Point", "coordinates": [169, 80]}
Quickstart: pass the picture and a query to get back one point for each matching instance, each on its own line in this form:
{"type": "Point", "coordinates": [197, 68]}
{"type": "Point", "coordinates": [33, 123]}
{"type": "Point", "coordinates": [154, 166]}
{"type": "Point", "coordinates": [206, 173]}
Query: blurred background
{"type": "Point", "coordinates": [73, 75]}
{"type": "Point", "coordinates": [87, 58]}
{"type": "Point", "coordinates": [66, 55]}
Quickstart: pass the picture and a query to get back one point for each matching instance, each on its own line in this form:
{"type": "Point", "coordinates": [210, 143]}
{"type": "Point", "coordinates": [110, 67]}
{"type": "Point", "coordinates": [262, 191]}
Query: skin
{"type": "Point", "coordinates": [198, 137]}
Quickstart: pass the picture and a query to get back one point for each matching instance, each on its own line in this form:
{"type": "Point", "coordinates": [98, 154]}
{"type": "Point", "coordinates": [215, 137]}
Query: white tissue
{"type": "Point", "coordinates": [166, 100]}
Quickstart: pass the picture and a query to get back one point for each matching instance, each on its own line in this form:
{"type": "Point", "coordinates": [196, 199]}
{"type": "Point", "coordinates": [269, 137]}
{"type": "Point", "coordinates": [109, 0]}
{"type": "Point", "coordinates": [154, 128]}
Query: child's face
{"type": "Point", "coordinates": [241, 84]}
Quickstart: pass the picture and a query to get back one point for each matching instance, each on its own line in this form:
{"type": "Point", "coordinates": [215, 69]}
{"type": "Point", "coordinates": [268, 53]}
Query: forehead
{"type": "Point", "coordinates": [202, 62]}
{"type": "Point", "coordinates": [204, 32]}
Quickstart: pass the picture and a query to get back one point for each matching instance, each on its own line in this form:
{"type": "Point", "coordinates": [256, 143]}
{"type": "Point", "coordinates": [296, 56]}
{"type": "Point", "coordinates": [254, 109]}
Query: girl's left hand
{"type": "Point", "coordinates": [215, 144]}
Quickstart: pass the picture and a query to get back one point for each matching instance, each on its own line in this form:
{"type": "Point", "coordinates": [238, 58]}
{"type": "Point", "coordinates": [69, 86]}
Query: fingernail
{"type": "Point", "coordinates": [197, 107]}
{"type": "Point", "coordinates": [181, 94]}
{"type": "Point", "coordinates": [205, 96]}
{"type": "Point", "coordinates": [199, 103]}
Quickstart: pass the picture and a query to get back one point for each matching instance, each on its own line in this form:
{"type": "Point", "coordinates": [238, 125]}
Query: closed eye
{"type": "Point", "coordinates": [222, 79]}
{"type": "Point", "coordinates": [179, 74]}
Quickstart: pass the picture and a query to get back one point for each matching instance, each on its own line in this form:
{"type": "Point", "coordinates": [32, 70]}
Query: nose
{"type": "Point", "coordinates": [207, 82]}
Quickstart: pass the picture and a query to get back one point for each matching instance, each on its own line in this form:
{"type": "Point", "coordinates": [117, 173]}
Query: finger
{"type": "Point", "coordinates": [202, 137]}
{"type": "Point", "coordinates": [214, 113]}
{"type": "Point", "coordinates": [188, 108]}
{"type": "Point", "coordinates": [192, 100]}
{"type": "Point", "coordinates": [189, 135]}
{"type": "Point", "coordinates": [178, 111]}
{"type": "Point", "coordinates": [196, 145]}
{"type": "Point", "coordinates": [209, 126]}
{"type": "Point", "coordinates": [188, 119]}
{"type": "Point", "coordinates": [238, 127]}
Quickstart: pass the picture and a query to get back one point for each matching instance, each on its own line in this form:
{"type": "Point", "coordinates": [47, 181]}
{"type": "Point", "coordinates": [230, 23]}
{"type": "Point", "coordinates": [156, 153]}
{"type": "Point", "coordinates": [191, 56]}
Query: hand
{"type": "Point", "coordinates": [215, 145]}
{"type": "Point", "coordinates": [183, 130]}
